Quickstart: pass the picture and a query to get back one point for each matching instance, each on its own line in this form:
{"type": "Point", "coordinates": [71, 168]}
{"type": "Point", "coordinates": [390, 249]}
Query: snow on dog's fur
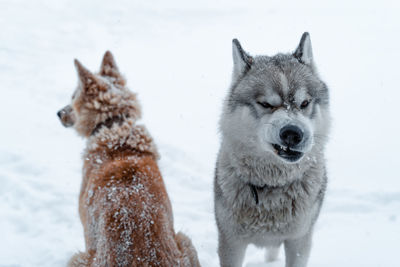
{"type": "Point", "coordinates": [123, 204]}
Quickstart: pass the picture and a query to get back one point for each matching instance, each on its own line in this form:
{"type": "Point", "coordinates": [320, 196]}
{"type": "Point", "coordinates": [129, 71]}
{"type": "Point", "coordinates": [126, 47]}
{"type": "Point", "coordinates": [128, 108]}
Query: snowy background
{"type": "Point", "coordinates": [177, 56]}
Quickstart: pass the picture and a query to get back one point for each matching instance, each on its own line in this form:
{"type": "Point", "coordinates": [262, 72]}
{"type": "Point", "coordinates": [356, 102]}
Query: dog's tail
{"type": "Point", "coordinates": [80, 259]}
{"type": "Point", "coordinates": [189, 254]}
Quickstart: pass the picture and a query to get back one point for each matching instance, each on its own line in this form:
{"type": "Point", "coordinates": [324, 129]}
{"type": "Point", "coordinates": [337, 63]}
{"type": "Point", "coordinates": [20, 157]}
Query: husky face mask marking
{"type": "Point", "coordinates": [281, 97]}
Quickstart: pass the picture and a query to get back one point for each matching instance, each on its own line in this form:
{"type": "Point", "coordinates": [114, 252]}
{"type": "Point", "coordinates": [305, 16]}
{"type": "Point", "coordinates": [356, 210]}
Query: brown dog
{"type": "Point", "coordinates": [123, 204]}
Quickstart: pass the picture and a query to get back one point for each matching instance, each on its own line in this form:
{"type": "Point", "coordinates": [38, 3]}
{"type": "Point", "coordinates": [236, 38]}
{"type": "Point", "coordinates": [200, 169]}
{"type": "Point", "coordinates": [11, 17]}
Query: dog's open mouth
{"type": "Point", "coordinates": [287, 153]}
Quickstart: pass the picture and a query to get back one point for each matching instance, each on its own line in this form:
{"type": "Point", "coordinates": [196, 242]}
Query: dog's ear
{"type": "Point", "coordinates": [109, 68]}
{"type": "Point", "coordinates": [108, 65]}
{"type": "Point", "coordinates": [304, 52]}
{"type": "Point", "coordinates": [241, 60]}
{"type": "Point", "coordinates": [91, 85]}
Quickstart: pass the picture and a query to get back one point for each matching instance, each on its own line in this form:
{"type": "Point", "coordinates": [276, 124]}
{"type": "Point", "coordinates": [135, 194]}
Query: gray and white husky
{"type": "Point", "coordinates": [270, 174]}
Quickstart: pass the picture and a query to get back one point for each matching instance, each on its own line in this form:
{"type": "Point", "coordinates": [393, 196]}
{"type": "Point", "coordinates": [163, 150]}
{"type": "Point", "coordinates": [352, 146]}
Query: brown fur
{"type": "Point", "coordinates": [123, 203]}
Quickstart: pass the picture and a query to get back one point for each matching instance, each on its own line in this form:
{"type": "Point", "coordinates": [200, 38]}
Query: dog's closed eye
{"type": "Point", "coordinates": [265, 105]}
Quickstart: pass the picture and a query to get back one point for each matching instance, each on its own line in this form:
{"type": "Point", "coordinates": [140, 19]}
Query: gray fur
{"type": "Point", "coordinates": [290, 192]}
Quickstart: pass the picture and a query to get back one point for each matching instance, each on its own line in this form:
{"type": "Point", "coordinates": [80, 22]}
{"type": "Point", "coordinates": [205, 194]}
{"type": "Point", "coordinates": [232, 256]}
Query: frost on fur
{"type": "Point", "coordinates": [126, 135]}
{"type": "Point", "coordinates": [102, 96]}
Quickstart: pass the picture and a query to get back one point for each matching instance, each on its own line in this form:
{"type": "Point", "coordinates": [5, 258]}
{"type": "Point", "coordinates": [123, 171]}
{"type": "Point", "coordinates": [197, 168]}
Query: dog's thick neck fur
{"type": "Point", "coordinates": [93, 110]}
{"type": "Point", "coordinates": [126, 135]}
{"type": "Point", "coordinates": [264, 169]}
{"type": "Point", "coordinates": [274, 183]}
{"type": "Point", "coordinates": [109, 123]}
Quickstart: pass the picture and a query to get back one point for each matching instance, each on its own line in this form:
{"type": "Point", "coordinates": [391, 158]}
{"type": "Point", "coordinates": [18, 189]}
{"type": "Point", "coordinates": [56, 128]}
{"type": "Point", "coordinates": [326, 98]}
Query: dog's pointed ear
{"type": "Point", "coordinates": [109, 68]}
{"type": "Point", "coordinates": [304, 52]}
{"type": "Point", "coordinates": [108, 65]}
{"type": "Point", "coordinates": [90, 83]}
{"type": "Point", "coordinates": [241, 60]}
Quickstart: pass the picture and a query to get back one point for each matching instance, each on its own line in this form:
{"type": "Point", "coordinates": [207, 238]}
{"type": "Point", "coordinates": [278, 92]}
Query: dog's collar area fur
{"type": "Point", "coordinates": [109, 123]}
{"type": "Point", "coordinates": [255, 189]}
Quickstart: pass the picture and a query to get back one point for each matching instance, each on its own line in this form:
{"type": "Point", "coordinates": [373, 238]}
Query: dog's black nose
{"type": "Point", "coordinates": [291, 135]}
{"type": "Point", "coordinates": [59, 114]}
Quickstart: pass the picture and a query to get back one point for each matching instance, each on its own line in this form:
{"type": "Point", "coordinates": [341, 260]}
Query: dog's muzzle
{"type": "Point", "coordinates": [66, 116]}
{"type": "Point", "coordinates": [290, 138]}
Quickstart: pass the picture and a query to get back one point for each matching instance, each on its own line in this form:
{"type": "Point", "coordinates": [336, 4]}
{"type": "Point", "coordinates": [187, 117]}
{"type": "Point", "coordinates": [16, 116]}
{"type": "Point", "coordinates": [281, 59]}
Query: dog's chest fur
{"type": "Point", "coordinates": [286, 208]}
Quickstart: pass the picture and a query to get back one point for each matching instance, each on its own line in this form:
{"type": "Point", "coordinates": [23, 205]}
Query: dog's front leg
{"type": "Point", "coordinates": [231, 252]}
{"type": "Point", "coordinates": [297, 251]}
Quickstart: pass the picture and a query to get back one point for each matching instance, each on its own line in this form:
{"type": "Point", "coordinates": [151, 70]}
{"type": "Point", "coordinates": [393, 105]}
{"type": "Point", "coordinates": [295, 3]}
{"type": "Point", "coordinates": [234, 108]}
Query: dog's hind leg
{"type": "Point", "coordinates": [271, 254]}
{"type": "Point", "coordinates": [189, 254]}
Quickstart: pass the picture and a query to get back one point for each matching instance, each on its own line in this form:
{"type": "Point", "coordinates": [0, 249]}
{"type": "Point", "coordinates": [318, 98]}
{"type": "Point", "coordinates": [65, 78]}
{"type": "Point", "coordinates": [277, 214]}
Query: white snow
{"type": "Point", "coordinates": [177, 56]}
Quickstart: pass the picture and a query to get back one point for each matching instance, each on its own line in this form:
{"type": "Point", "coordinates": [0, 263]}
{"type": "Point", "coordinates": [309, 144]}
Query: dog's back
{"type": "Point", "coordinates": [126, 211]}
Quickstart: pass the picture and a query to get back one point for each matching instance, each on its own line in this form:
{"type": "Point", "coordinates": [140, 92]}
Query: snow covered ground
{"type": "Point", "coordinates": [177, 56]}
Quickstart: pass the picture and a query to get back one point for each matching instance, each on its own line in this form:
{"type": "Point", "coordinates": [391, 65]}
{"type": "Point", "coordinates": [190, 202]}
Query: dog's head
{"type": "Point", "coordinates": [277, 105]}
{"type": "Point", "coordinates": [99, 97]}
